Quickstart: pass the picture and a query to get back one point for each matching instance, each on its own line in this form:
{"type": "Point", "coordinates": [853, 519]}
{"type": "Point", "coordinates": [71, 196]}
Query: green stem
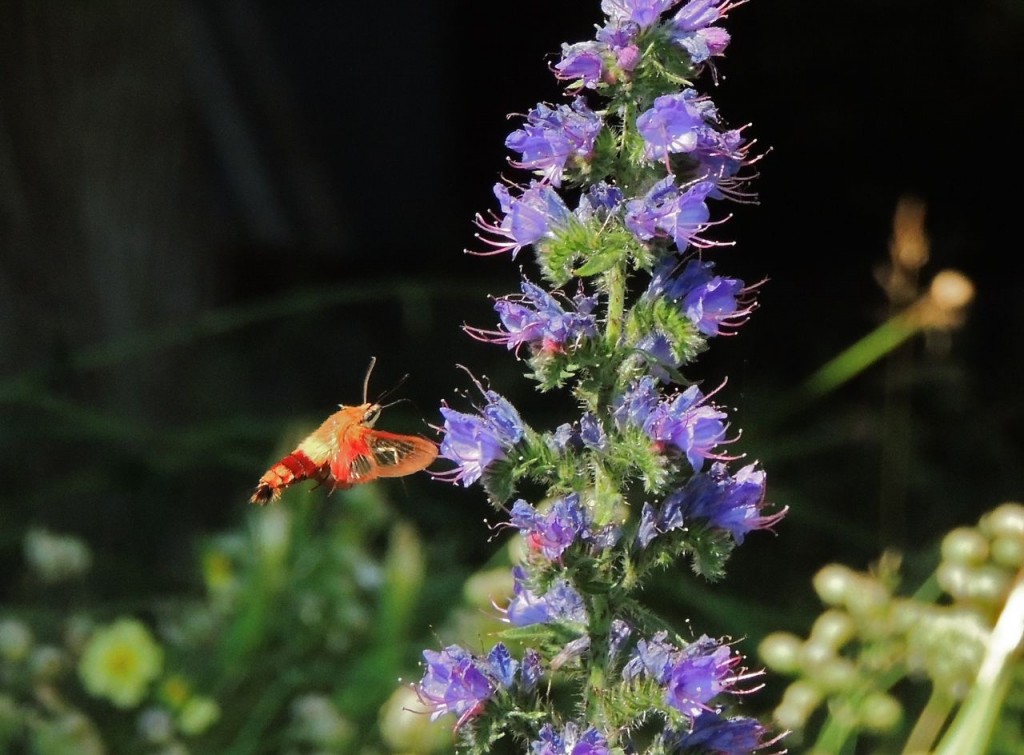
{"type": "Point", "coordinates": [859, 356]}
{"type": "Point", "coordinates": [929, 723]}
{"type": "Point", "coordinates": [845, 366]}
{"type": "Point", "coordinates": [835, 733]}
{"type": "Point", "coordinates": [615, 281]}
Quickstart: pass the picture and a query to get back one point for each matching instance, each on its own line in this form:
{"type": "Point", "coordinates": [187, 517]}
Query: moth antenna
{"type": "Point", "coordinates": [366, 380]}
{"type": "Point", "coordinates": [391, 390]}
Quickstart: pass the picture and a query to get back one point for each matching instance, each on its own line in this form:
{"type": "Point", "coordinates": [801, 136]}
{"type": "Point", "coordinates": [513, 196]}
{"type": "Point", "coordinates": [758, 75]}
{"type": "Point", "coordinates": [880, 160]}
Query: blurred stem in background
{"type": "Point", "coordinates": [933, 312]}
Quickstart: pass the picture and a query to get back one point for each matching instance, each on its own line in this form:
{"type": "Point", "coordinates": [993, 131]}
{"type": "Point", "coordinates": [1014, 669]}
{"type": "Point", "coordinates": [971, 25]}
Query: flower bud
{"type": "Point", "coordinates": [880, 712]}
{"type": "Point", "coordinates": [953, 578]}
{"type": "Point", "coordinates": [834, 628]}
{"type": "Point", "coordinates": [1005, 520]}
{"type": "Point", "coordinates": [988, 584]}
{"type": "Point", "coordinates": [837, 675]}
{"type": "Point", "coordinates": [814, 655]}
{"type": "Point", "coordinates": [1008, 551]}
{"type": "Point", "coordinates": [781, 651]}
{"type": "Point", "coordinates": [798, 703]}
{"type": "Point", "coordinates": [868, 598]}
{"type": "Point", "coordinates": [964, 545]}
{"type": "Point", "coordinates": [833, 583]}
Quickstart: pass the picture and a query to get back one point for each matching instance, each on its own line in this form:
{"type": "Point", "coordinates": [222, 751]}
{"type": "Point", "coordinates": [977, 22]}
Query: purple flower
{"type": "Point", "coordinates": [564, 437]}
{"type": "Point", "coordinates": [611, 57]}
{"type": "Point", "coordinates": [592, 434]}
{"type": "Point", "coordinates": [552, 136]}
{"type": "Point", "coordinates": [692, 29]}
{"type": "Point", "coordinates": [501, 665]}
{"type": "Point", "coordinates": [618, 636]}
{"type": "Point", "coordinates": [713, 733]}
{"type": "Point", "coordinates": [582, 62]}
{"type": "Point", "coordinates": [550, 533]}
{"type": "Point", "coordinates": [538, 319]}
{"type": "Point", "coordinates": [703, 670]}
{"type": "Point", "coordinates": [699, 14]}
{"type": "Point", "coordinates": [720, 156]}
{"type": "Point", "coordinates": [690, 424]}
{"type": "Point", "coordinates": [643, 13]}
{"type": "Point", "coordinates": [727, 502]}
{"type": "Point", "coordinates": [668, 211]}
{"type": "Point", "coordinates": [636, 405]}
{"type": "Point", "coordinates": [620, 37]}
{"type": "Point", "coordinates": [730, 502]}
{"type": "Point", "coordinates": [597, 202]}
{"type": "Point", "coordinates": [657, 352]}
{"type": "Point", "coordinates": [711, 302]}
{"type": "Point", "coordinates": [561, 603]}
{"type": "Point", "coordinates": [703, 44]}
{"type": "Point", "coordinates": [649, 527]}
{"type": "Point", "coordinates": [457, 682]}
{"type": "Point", "coordinates": [570, 741]}
{"type": "Point", "coordinates": [686, 421]}
{"type": "Point", "coordinates": [475, 441]}
{"type": "Point", "coordinates": [651, 658]}
{"type": "Point", "coordinates": [692, 676]}
{"type": "Point", "coordinates": [671, 126]}
{"type": "Point", "coordinates": [527, 219]}
{"type": "Point", "coordinates": [531, 670]}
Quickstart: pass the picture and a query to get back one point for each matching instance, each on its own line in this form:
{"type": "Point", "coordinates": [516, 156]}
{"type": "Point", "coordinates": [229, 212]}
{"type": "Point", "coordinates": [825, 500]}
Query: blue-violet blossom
{"type": "Point", "coordinates": [475, 441]}
{"type": "Point", "coordinates": [553, 136]}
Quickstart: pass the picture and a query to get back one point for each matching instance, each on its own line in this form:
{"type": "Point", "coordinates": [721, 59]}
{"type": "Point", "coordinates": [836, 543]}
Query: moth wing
{"type": "Point", "coordinates": [380, 454]}
{"type": "Point", "coordinates": [351, 466]}
{"type": "Point", "coordinates": [397, 455]}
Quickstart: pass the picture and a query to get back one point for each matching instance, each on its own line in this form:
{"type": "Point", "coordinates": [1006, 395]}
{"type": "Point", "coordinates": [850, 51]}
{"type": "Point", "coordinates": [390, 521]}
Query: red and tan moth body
{"type": "Point", "coordinates": [346, 450]}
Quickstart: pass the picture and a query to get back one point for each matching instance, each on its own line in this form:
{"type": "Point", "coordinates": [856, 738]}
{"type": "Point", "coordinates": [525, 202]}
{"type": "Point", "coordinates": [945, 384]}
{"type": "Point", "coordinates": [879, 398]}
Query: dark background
{"type": "Point", "coordinates": [212, 215]}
